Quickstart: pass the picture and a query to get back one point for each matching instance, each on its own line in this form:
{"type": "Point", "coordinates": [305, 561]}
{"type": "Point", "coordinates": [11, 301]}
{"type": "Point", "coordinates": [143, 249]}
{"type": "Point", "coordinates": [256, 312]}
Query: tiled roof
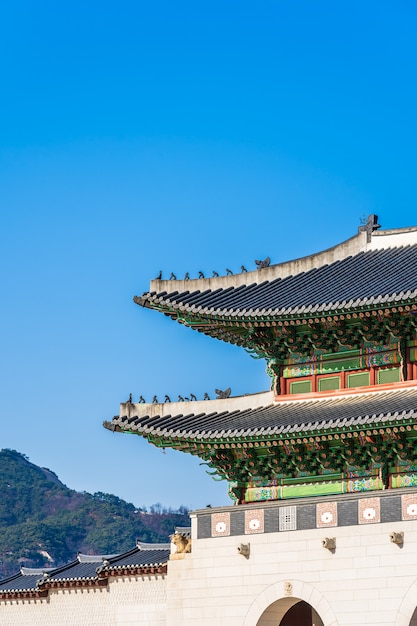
{"type": "Point", "coordinates": [290, 416]}
{"type": "Point", "coordinates": [376, 277]}
{"type": "Point", "coordinates": [185, 531]}
{"type": "Point", "coordinates": [144, 556]}
{"type": "Point", "coordinates": [78, 570]}
{"type": "Point", "coordinates": [86, 570]}
{"type": "Point", "coordinates": [25, 581]}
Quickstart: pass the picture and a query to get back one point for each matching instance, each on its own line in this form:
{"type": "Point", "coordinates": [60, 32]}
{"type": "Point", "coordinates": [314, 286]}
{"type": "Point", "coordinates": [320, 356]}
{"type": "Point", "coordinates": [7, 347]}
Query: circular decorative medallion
{"type": "Point", "coordinates": [412, 509]}
{"type": "Point", "coordinates": [220, 527]}
{"type": "Point", "coordinates": [254, 524]}
{"type": "Point", "coordinates": [369, 514]}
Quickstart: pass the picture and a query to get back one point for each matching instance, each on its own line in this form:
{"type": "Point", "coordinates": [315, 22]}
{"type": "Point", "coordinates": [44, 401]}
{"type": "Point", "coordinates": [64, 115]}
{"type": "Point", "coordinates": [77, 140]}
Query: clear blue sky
{"type": "Point", "coordinates": [182, 136]}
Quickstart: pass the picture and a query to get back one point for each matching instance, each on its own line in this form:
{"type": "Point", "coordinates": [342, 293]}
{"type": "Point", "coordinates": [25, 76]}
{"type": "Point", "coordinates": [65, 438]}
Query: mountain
{"type": "Point", "coordinates": [44, 523]}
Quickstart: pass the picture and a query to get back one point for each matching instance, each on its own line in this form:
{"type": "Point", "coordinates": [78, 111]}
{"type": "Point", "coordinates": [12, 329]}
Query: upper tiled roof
{"type": "Point", "coordinates": [371, 278]}
{"type": "Point", "coordinates": [289, 416]}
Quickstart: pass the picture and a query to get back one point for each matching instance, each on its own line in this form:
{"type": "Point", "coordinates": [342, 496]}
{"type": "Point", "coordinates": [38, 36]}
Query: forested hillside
{"type": "Point", "coordinates": [43, 522]}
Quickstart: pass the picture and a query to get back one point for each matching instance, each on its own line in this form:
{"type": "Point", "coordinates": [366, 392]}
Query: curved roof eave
{"type": "Point", "coordinates": [370, 278]}
{"type": "Point", "coordinates": [328, 413]}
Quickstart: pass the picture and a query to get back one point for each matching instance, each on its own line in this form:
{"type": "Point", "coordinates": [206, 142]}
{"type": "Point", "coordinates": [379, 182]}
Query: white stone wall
{"type": "Point", "coordinates": [126, 601]}
{"type": "Point", "coordinates": [367, 580]}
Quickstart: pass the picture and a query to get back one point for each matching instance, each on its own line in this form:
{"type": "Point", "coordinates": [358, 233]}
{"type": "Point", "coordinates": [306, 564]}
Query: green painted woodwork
{"type": "Point", "coordinates": [399, 481]}
{"type": "Point", "coordinates": [297, 371]}
{"type": "Point", "coordinates": [389, 375]}
{"type": "Point", "coordinates": [369, 355]}
{"type": "Point", "coordinates": [329, 383]}
{"type": "Point", "coordinates": [358, 380]}
{"type": "Point", "coordinates": [280, 336]}
{"type": "Point", "coordinates": [312, 462]}
{"type": "Point", "coordinates": [341, 361]}
{"type": "Point", "coordinates": [327, 367]}
{"type": "Point", "coordinates": [300, 386]}
{"type": "Point", "coordinates": [289, 458]}
{"type": "Point", "coordinates": [359, 459]}
{"type": "Point", "coordinates": [317, 488]}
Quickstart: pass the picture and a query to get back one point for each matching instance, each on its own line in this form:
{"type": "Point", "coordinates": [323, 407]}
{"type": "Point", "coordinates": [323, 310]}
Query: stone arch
{"type": "Point", "coordinates": [271, 605]}
{"type": "Point", "coordinates": [407, 613]}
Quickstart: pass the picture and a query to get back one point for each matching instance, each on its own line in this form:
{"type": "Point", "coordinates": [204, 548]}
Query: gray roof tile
{"type": "Point", "coordinates": [289, 415]}
{"type": "Point", "coordinates": [373, 277]}
{"type": "Point", "coordinates": [85, 568]}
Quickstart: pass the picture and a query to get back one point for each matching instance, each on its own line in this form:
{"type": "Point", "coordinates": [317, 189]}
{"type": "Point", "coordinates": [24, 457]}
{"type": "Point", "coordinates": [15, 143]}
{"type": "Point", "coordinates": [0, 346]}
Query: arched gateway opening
{"type": "Point", "coordinates": [413, 621]}
{"type": "Point", "coordinates": [290, 612]}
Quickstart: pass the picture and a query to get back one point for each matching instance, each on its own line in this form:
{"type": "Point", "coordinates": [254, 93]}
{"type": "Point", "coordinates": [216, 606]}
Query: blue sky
{"type": "Point", "coordinates": [179, 136]}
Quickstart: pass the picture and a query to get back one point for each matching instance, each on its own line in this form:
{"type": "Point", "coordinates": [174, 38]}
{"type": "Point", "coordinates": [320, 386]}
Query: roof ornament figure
{"type": "Point", "coordinates": [154, 400]}
{"type": "Point", "coordinates": [167, 399]}
{"type": "Point", "coordinates": [180, 399]}
{"type": "Point", "coordinates": [141, 400]}
{"type": "Point", "coordinates": [229, 272]}
{"type": "Point", "coordinates": [187, 276]}
{"type": "Point", "coordinates": [193, 397]}
{"type": "Point", "coordinates": [206, 396]}
{"type": "Point", "coordinates": [159, 277]}
{"type": "Point", "coordinates": [262, 264]}
{"type": "Point", "coordinates": [222, 395]}
{"type": "Point", "coordinates": [172, 277]}
{"type": "Point", "coordinates": [243, 269]}
{"type": "Point", "coordinates": [368, 225]}
{"type": "Point", "coordinates": [130, 398]}
{"type": "Point", "coordinates": [215, 274]}
{"type": "Point", "coordinates": [200, 274]}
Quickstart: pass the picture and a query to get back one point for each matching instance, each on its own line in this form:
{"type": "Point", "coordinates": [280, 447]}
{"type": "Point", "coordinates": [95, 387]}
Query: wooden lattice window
{"type": "Point", "coordinates": [288, 518]}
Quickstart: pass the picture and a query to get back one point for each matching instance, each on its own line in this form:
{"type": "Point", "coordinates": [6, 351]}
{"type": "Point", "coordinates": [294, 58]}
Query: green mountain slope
{"type": "Point", "coordinates": [43, 523]}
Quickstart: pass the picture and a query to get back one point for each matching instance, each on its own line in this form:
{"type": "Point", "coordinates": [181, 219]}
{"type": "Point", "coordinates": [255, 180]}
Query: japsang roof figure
{"type": "Point", "coordinates": [338, 331]}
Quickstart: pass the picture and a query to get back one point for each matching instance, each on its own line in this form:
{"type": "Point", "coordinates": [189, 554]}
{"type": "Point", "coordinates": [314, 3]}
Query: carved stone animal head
{"type": "Point", "coordinates": [182, 544]}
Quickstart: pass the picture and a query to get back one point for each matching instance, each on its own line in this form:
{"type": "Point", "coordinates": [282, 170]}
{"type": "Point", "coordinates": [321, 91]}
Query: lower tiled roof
{"type": "Point", "coordinates": [280, 418]}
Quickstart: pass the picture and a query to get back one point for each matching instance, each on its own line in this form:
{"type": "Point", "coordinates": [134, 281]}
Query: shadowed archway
{"type": "Point", "coordinates": [275, 604]}
{"type": "Point", "coordinates": [407, 614]}
{"type": "Point", "coordinates": [290, 612]}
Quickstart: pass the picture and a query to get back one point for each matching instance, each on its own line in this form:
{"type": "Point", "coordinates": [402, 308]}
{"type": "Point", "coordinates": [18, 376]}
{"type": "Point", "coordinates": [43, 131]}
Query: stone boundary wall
{"type": "Point", "coordinates": [126, 601]}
